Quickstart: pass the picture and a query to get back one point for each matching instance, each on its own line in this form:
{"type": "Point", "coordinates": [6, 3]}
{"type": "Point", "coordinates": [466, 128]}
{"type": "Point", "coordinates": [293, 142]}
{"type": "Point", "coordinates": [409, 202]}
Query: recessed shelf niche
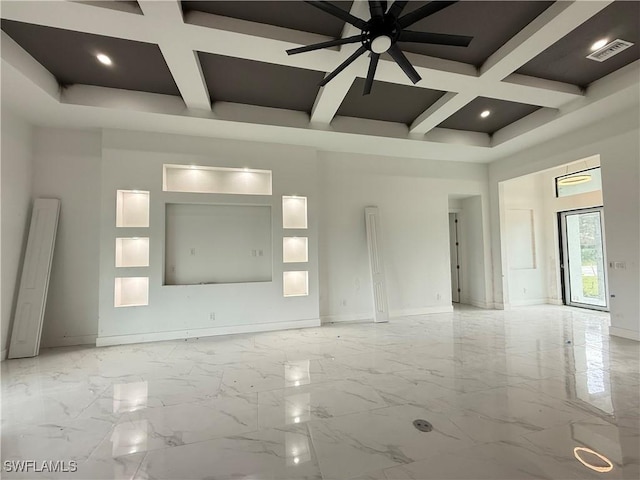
{"type": "Point", "coordinates": [295, 249]}
{"type": "Point", "coordinates": [132, 252]}
{"type": "Point", "coordinates": [295, 284]}
{"type": "Point", "coordinates": [294, 212]}
{"type": "Point", "coordinates": [132, 208]}
{"type": "Point", "coordinates": [131, 291]}
{"type": "Point", "coordinates": [199, 179]}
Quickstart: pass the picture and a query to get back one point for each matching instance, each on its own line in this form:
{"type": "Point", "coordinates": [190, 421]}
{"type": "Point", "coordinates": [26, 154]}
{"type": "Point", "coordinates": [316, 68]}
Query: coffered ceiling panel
{"type": "Point", "coordinates": [293, 14]}
{"type": "Point", "coordinates": [501, 114]}
{"type": "Point", "coordinates": [491, 24]}
{"type": "Point", "coordinates": [71, 58]}
{"type": "Point", "coordinates": [566, 61]}
{"type": "Point", "coordinates": [239, 80]}
{"type": "Point", "coordinates": [387, 101]}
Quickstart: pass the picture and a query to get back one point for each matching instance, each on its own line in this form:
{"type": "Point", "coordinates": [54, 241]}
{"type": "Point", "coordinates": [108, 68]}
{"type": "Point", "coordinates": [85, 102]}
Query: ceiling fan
{"type": "Point", "coordinates": [381, 34]}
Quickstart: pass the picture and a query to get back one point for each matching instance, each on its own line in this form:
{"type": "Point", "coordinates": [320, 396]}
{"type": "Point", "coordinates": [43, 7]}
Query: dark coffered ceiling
{"type": "Point", "coordinates": [295, 15]}
{"type": "Point", "coordinates": [502, 113]}
{"type": "Point", "coordinates": [71, 58]}
{"type": "Point", "coordinates": [249, 82]}
{"type": "Point", "coordinates": [490, 24]}
{"type": "Point", "coordinates": [245, 74]}
{"type": "Point", "coordinates": [566, 61]}
{"type": "Point", "coordinates": [388, 102]}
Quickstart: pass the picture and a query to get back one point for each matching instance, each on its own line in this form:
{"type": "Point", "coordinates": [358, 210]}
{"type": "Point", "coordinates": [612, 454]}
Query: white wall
{"type": "Point", "coordinates": [134, 161]}
{"type": "Point", "coordinates": [617, 141]}
{"type": "Point", "coordinates": [67, 166]}
{"type": "Point", "coordinates": [413, 200]}
{"type": "Point", "coordinates": [15, 210]}
{"type": "Point", "coordinates": [524, 215]}
{"type": "Point", "coordinates": [85, 169]}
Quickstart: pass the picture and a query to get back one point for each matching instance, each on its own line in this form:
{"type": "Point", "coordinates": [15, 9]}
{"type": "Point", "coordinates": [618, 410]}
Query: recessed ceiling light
{"type": "Point", "coordinates": [485, 114]}
{"type": "Point", "coordinates": [102, 58]}
{"type": "Point", "coordinates": [599, 44]}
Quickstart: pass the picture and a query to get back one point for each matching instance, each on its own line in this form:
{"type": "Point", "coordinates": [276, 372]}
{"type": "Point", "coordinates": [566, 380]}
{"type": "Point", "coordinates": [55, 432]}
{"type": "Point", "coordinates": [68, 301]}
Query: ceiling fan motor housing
{"type": "Point", "coordinates": [379, 29]}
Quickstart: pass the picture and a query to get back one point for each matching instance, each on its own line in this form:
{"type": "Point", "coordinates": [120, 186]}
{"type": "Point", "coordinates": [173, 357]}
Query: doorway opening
{"type": "Point", "coordinates": [582, 258]}
{"type": "Point", "coordinates": [467, 250]}
{"type": "Point", "coordinates": [454, 250]}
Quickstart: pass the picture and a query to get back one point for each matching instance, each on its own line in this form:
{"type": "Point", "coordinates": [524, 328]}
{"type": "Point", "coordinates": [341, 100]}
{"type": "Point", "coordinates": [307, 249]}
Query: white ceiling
{"type": "Point", "coordinates": [30, 89]}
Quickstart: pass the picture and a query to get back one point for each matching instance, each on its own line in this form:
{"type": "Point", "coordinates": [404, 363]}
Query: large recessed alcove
{"type": "Point", "coordinates": [212, 244]}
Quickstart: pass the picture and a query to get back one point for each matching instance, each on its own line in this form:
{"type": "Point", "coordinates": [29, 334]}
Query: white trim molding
{"type": "Point", "coordinates": [410, 312]}
{"type": "Point", "coordinates": [204, 332]}
{"type": "Point", "coordinates": [625, 333]}
{"type": "Point", "coordinates": [69, 341]}
{"type": "Point", "coordinates": [355, 317]}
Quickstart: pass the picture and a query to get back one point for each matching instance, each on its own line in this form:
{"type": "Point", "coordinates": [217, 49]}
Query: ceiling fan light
{"type": "Point", "coordinates": [574, 179]}
{"type": "Point", "coordinates": [380, 44]}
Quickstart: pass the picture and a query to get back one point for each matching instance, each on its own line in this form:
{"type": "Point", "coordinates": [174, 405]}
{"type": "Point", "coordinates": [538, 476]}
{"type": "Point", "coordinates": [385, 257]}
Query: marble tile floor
{"type": "Point", "coordinates": [510, 395]}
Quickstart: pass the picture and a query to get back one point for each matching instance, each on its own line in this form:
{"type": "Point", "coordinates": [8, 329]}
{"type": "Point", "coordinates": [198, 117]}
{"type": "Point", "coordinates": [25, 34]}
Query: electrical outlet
{"type": "Point", "coordinates": [193, 251]}
{"type": "Point", "coordinates": [438, 297]}
{"type": "Point", "coordinates": [253, 253]}
{"type": "Point", "coordinates": [344, 302]}
{"type": "Point", "coordinates": [260, 253]}
{"type": "Point", "coordinates": [212, 316]}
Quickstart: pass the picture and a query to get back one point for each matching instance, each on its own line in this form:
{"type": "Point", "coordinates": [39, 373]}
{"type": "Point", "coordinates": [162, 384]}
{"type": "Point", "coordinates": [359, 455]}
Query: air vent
{"type": "Point", "coordinates": [609, 50]}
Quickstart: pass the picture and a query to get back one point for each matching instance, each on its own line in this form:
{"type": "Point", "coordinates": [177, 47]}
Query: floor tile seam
{"type": "Point", "coordinates": [96, 398]}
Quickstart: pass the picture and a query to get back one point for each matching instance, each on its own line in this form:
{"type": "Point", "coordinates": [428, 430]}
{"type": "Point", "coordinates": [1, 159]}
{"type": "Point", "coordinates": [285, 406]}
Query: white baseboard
{"type": "Point", "coordinates": [481, 304]}
{"type": "Point", "coordinates": [554, 301]}
{"type": "Point", "coordinates": [3, 355]}
{"type": "Point", "coordinates": [409, 312]}
{"type": "Point", "coordinates": [531, 301]}
{"type": "Point", "coordinates": [204, 332]}
{"type": "Point", "coordinates": [354, 317]}
{"type": "Point", "coordinates": [69, 341]}
{"type": "Point", "coordinates": [625, 333]}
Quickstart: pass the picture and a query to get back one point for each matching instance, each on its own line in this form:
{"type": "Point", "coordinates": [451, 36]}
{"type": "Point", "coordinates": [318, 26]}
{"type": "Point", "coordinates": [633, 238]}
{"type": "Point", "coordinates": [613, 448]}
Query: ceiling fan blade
{"type": "Point", "coordinates": [377, 8]}
{"type": "Point", "coordinates": [434, 38]}
{"type": "Point", "coordinates": [404, 64]}
{"type": "Point", "coordinates": [396, 9]}
{"type": "Point", "coordinates": [331, 43]}
{"type": "Point", "coordinates": [373, 63]}
{"type": "Point", "coordinates": [338, 12]}
{"type": "Point", "coordinates": [343, 65]}
{"type": "Point", "coordinates": [422, 12]}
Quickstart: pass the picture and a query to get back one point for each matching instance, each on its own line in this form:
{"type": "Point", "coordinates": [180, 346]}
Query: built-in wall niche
{"type": "Point", "coordinates": [132, 208]}
{"type": "Point", "coordinates": [132, 252]}
{"type": "Point", "coordinates": [295, 284]}
{"type": "Point", "coordinates": [294, 212]}
{"type": "Point", "coordinates": [131, 291]}
{"type": "Point", "coordinates": [209, 244]}
{"type": "Point", "coordinates": [295, 249]}
{"type": "Point", "coordinates": [203, 179]}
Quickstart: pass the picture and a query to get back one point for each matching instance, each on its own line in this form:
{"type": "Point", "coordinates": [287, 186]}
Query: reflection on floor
{"type": "Point", "coordinates": [533, 393]}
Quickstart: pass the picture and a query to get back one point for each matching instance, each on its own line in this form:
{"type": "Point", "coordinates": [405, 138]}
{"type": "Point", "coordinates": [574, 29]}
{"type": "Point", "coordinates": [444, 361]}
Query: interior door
{"type": "Point", "coordinates": [583, 258]}
{"type": "Point", "coordinates": [34, 283]}
{"type": "Point", "coordinates": [376, 265]}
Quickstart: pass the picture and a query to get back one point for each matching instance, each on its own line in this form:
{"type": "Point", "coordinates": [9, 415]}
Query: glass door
{"type": "Point", "coordinates": [583, 260]}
